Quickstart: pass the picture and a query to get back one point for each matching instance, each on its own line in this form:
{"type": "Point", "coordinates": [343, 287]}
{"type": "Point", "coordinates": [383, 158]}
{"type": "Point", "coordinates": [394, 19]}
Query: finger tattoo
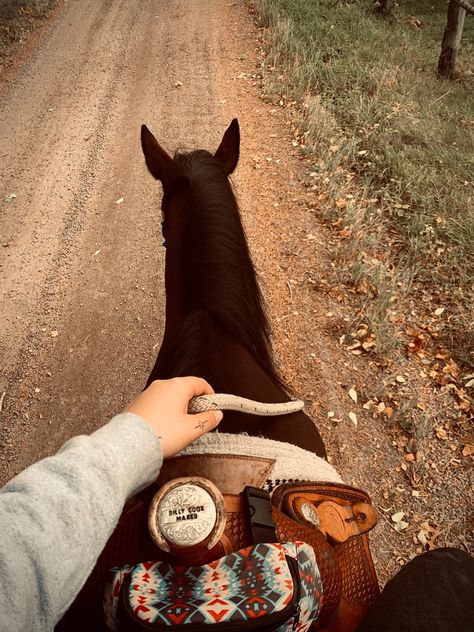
{"type": "Point", "coordinates": [201, 425]}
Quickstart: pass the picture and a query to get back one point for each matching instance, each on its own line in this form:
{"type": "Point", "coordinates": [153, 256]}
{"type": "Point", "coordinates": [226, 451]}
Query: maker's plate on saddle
{"type": "Point", "coordinates": [187, 514]}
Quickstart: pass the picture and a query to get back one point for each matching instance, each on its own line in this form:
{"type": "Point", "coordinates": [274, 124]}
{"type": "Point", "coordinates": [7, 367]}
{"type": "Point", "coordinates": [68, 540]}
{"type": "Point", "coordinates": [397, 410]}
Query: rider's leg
{"type": "Point", "coordinates": [434, 592]}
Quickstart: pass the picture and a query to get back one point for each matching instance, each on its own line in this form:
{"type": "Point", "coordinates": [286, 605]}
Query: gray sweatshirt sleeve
{"type": "Point", "coordinates": [56, 517]}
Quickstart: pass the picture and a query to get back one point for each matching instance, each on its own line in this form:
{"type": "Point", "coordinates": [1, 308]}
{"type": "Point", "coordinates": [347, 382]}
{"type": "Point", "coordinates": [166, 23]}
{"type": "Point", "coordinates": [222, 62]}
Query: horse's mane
{"type": "Point", "coordinates": [219, 273]}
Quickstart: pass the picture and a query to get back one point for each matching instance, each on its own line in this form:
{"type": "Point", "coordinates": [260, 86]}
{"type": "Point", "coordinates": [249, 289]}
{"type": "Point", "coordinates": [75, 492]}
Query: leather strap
{"type": "Point", "coordinates": [337, 519]}
{"type": "Point", "coordinates": [339, 511]}
{"type": "Point", "coordinates": [230, 473]}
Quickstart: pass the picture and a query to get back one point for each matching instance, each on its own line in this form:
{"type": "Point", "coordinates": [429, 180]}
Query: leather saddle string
{"type": "Point", "coordinates": [224, 401]}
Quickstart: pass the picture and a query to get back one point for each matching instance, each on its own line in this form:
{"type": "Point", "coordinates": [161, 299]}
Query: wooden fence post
{"type": "Point", "coordinates": [451, 40]}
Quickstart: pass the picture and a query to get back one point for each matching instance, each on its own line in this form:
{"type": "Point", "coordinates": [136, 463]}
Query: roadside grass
{"type": "Point", "coordinates": [10, 9]}
{"type": "Point", "coordinates": [17, 19]}
{"type": "Point", "coordinates": [393, 146]}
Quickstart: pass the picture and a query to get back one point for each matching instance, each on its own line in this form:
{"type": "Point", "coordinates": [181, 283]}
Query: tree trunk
{"type": "Point", "coordinates": [386, 7]}
{"type": "Point", "coordinates": [451, 40]}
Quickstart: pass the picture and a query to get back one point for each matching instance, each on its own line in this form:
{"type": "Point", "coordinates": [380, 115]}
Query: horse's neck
{"type": "Point", "coordinates": [198, 345]}
{"type": "Point", "coordinates": [238, 371]}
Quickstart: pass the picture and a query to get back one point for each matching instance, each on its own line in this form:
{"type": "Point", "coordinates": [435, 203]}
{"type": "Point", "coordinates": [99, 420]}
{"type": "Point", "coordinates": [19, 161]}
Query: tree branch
{"type": "Point", "coordinates": [469, 8]}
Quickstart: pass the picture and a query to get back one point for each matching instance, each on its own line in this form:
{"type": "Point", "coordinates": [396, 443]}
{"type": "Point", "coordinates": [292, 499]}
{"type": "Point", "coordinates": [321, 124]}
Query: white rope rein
{"type": "Point", "coordinates": [223, 401]}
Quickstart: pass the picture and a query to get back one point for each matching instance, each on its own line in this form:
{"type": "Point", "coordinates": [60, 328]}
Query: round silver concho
{"type": "Point", "coordinates": [185, 512]}
{"type": "Point", "coordinates": [310, 514]}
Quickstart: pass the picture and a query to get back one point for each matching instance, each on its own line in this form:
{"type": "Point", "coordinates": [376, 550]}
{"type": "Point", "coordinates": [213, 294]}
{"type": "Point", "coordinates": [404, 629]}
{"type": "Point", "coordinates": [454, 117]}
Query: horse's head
{"type": "Point", "coordinates": [172, 175]}
{"type": "Point", "coordinates": [210, 281]}
{"type": "Point", "coordinates": [163, 167]}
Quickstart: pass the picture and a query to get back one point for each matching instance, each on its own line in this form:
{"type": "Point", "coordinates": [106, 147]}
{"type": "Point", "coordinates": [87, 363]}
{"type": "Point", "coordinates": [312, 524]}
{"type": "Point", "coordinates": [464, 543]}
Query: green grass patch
{"type": "Point", "coordinates": [372, 106]}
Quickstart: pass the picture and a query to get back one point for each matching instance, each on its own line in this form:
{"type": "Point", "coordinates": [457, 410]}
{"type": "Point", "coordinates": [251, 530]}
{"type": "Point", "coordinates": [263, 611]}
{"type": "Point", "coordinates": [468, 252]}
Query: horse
{"type": "Point", "coordinates": [216, 324]}
{"type": "Point", "coordinates": [216, 328]}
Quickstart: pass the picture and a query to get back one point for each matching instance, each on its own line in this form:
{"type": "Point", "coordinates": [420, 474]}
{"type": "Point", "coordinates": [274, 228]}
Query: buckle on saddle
{"type": "Point", "coordinates": [259, 506]}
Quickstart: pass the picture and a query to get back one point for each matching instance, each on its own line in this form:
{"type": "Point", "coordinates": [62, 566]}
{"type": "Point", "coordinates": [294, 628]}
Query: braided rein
{"type": "Point", "coordinates": [224, 401]}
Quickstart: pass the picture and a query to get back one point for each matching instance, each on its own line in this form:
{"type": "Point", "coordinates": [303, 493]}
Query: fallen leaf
{"type": "Point", "coordinates": [119, 201]}
{"type": "Point", "coordinates": [415, 345]}
{"type": "Point", "coordinates": [400, 379]}
{"type": "Point", "coordinates": [468, 450]}
{"type": "Point", "coordinates": [331, 414]}
{"type": "Point", "coordinates": [54, 333]}
{"type": "Point", "coordinates": [340, 203]}
{"type": "Point", "coordinates": [441, 433]}
{"type": "Point", "coordinates": [400, 526]}
{"type": "Point", "coordinates": [388, 411]}
{"type": "Point", "coordinates": [96, 253]}
{"type": "Point", "coordinates": [353, 346]}
{"type": "Point", "coordinates": [353, 395]}
{"type": "Point", "coordinates": [452, 369]}
{"type": "Point", "coordinates": [396, 517]}
{"type": "Point", "coordinates": [439, 311]}
{"type": "Point", "coordinates": [422, 537]}
{"type": "Point", "coordinates": [353, 418]}
{"type": "Point", "coordinates": [10, 197]}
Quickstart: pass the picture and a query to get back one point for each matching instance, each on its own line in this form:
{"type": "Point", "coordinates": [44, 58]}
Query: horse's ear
{"type": "Point", "coordinates": [228, 151]}
{"type": "Point", "coordinates": [159, 163]}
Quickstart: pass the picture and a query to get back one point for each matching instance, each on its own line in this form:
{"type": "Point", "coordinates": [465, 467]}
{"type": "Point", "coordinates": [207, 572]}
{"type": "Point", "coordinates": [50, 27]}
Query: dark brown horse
{"type": "Point", "coordinates": [216, 328]}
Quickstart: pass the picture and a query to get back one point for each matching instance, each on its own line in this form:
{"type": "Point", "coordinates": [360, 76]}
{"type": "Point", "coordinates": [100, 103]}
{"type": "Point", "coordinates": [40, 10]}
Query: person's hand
{"type": "Point", "coordinates": [164, 406]}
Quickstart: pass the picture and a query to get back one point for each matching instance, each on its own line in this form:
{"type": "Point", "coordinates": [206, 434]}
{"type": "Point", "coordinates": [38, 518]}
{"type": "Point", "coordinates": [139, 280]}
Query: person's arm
{"type": "Point", "coordinates": [56, 516]}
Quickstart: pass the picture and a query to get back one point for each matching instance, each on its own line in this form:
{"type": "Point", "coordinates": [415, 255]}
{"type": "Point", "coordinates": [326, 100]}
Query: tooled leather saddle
{"type": "Point", "coordinates": [333, 518]}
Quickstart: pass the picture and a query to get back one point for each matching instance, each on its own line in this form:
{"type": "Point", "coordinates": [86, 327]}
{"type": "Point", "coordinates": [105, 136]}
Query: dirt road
{"type": "Point", "coordinates": [81, 271]}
